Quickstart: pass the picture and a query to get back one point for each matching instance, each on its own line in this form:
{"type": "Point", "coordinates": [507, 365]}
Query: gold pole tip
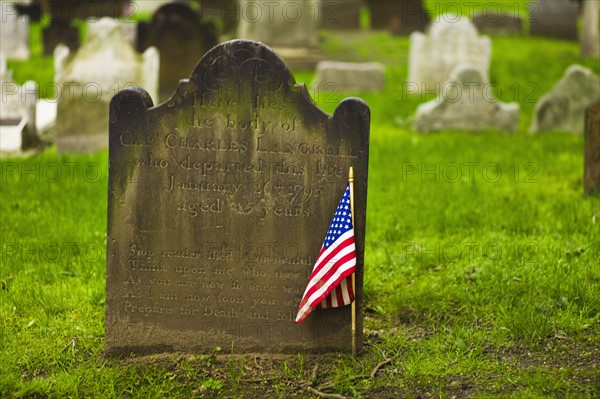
{"type": "Point", "coordinates": [351, 174]}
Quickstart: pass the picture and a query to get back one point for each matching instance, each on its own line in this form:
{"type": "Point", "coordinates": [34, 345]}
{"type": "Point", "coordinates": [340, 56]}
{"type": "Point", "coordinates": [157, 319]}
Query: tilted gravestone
{"type": "Point", "coordinates": [87, 80]}
{"type": "Point", "coordinates": [555, 19]}
{"type": "Point", "coordinates": [466, 103]}
{"type": "Point", "coordinates": [14, 32]}
{"type": "Point", "coordinates": [219, 201]}
{"type": "Point", "coordinates": [591, 179]}
{"type": "Point", "coordinates": [450, 40]}
{"type": "Point", "coordinates": [563, 107]}
{"type": "Point", "coordinates": [181, 38]}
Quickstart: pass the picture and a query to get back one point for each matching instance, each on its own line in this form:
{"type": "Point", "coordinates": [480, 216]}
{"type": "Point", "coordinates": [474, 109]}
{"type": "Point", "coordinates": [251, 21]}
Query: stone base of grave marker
{"type": "Point", "coordinates": [591, 178]}
{"type": "Point", "coordinates": [219, 201]}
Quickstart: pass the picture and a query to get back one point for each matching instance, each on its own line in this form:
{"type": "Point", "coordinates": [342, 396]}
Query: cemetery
{"type": "Point", "coordinates": [300, 199]}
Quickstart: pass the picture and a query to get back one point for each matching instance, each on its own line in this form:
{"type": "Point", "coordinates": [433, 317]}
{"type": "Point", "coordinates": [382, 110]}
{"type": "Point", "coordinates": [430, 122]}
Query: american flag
{"type": "Point", "coordinates": [330, 283]}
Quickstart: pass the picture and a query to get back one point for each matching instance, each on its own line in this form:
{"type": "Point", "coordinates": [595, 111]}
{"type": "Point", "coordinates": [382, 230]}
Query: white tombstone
{"type": "Point", "coordinates": [450, 40]}
{"type": "Point", "coordinates": [466, 102]}
{"type": "Point", "coordinates": [563, 108]}
{"type": "Point", "coordinates": [349, 76]}
{"type": "Point", "coordinates": [14, 32]}
{"type": "Point", "coordinates": [17, 113]}
{"type": "Point", "coordinates": [88, 78]}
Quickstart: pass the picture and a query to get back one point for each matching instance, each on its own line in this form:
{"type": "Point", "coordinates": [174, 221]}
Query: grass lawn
{"type": "Point", "coordinates": [482, 261]}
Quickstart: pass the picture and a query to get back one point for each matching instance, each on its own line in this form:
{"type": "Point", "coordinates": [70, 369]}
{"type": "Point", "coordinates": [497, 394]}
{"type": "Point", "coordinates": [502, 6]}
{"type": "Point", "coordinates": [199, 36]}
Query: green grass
{"type": "Point", "coordinates": [481, 275]}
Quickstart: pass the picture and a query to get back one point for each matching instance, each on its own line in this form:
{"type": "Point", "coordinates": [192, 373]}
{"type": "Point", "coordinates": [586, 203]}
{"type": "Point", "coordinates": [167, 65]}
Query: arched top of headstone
{"type": "Point", "coordinates": [178, 9]}
{"type": "Point", "coordinates": [246, 66]}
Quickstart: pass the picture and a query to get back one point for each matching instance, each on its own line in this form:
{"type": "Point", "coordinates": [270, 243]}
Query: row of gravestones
{"type": "Point", "coordinates": [295, 26]}
{"type": "Point", "coordinates": [452, 53]}
{"type": "Point", "coordinates": [453, 61]}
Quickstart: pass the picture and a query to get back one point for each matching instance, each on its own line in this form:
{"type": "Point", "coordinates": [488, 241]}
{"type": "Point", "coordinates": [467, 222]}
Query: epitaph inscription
{"type": "Point", "coordinates": [219, 201]}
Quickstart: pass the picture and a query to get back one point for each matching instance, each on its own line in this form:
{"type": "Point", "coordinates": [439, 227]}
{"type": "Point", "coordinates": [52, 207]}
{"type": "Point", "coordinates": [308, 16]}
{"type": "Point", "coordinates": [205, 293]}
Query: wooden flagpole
{"type": "Point", "coordinates": [351, 184]}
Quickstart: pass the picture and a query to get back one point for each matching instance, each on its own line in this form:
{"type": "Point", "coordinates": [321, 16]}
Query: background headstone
{"type": "Point", "coordinates": [590, 38]}
{"type": "Point", "coordinates": [402, 17]}
{"type": "Point", "coordinates": [490, 23]}
{"type": "Point", "coordinates": [338, 76]}
{"type": "Point", "coordinates": [591, 179]}
{"type": "Point", "coordinates": [180, 37]}
{"type": "Point", "coordinates": [14, 32]}
{"type": "Point", "coordinates": [450, 40]}
{"type": "Point", "coordinates": [466, 103]}
{"type": "Point", "coordinates": [88, 78]}
{"type": "Point", "coordinates": [563, 108]}
{"type": "Point", "coordinates": [60, 31]}
{"type": "Point", "coordinates": [17, 112]}
{"type": "Point", "coordinates": [219, 201]}
{"type": "Point", "coordinates": [555, 19]}
{"type": "Point", "coordinates": [341, 14]}
{"type": "Point", "coordinates": [147, 6]}
{"type": "Point", "coordinates": [289, 26]}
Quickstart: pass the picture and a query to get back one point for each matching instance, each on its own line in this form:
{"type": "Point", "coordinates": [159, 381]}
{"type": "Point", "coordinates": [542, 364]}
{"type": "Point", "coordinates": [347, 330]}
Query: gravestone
{"type": "Point", "coordinates": [334, 76]}
{"type": "Point", "coordinates": [466, 103]}
{"type": "Point", "coordinates": [591, 178]}
{"type": "Point", "coordinates": [60, 31]}
{"type": "Point", "coordinates": [590, 38]}
{"type": "Point", "coordinates": [147, 6]}
{"type": "Point", "coordinates": [450, 40]}
{"type": "Point", "coordinates": [490, 23]}
{"type": "Point", "coordinates": [14, 32]}
{"type": "Point", "coordinates": [341, 14]}
{"type": "Point", "coordinates": [288, 26]}
{"type": "Point", "coordinates": [402, 17]}
{"type": "Point", "coordinates": [555, 19]}
{"type": "Point", "coordinates": [87, 80]}
{"type": "Point", "coordinates": [563, 107]}
{"type": "Point", "coordinates": [17, 112]}
{"type": "Point", "coordinates": [219, 201]}
{"type": "Point", "coordinates": [180, 37]}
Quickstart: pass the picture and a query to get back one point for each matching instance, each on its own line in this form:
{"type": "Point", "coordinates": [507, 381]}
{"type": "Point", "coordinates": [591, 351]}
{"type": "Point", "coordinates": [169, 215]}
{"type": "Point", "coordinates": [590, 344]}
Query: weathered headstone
{"type": "Point", "coordinates": [17, 112]}
{"type": "Point", "coordinates": [563, 107]}
{"type": "Point", "coordinates": [590, 38]}
{"type": "Point", "coordinates": [14, 32]}
{"type": "Point", "coordinates": [450, 40]}
{"type": "Point", "coordinates": [218, 204]}
{"type": "Point", "coordinates": [180, 37]}
{"type": "Point", "coordinates": [466, 102]}
{"type": "Point", "coordinates": [591, 180]}
{"type": "Point", "coordinates": [288, 26]}
{"type": "Point", "coordinates": [60, 31]}
{"type": "Point", "coordinates": [490, 23]}
{"type": "Point", "coordinates": [335, 76]}
{"type": "Point", "coordinates": [402, 17]}
{"type": "Point", "coordinates": [341, 14]}
{"type": "Point", "coordinates": [87, 80]}
{"type": "Point", "coordinates": [555, 19]}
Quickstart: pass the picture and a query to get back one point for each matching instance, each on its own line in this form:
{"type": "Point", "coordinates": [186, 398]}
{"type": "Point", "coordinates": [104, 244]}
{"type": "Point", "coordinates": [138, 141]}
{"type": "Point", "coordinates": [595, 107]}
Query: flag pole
{"type": "Point", "coordinates": [351, 184]}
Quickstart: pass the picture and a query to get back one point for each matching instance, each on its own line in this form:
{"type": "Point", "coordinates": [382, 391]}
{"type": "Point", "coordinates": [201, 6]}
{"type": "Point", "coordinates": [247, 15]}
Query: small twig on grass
{"type": "Point", "coordinates": [315, 372]}
{"type": "Point", "coordinates": [379, 366]}
{"type": "Point", "coordinates": [324, 395]}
